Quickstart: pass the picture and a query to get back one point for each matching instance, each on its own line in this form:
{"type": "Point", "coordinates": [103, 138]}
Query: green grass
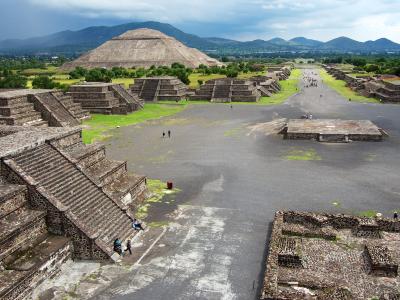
{"type": "Point", "coordinates": [125, 81]}
{"type": "Point", "coordinates": [194, 77]}
{"type": "Point", "coordinates": [340, 87]}
{"type": "Point", "coordinates": [289, 87]}
{"type": "Point", "coordinates": [368, 213]}
{"type": "Point", "coordinates": [38, 71]}
{"type": "Point", "coordinates": [298, 154]}
{"type": "Point", "coordinates": [98, 127]}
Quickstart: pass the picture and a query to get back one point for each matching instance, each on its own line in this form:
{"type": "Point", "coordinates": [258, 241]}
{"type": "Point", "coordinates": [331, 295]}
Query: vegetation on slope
{"type": "Point", "coordinates": [340, 87]}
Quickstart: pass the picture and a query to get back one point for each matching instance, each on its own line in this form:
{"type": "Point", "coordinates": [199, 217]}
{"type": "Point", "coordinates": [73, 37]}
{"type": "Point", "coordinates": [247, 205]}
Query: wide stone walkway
{"type": "Point", "coordinates": [232, 180]}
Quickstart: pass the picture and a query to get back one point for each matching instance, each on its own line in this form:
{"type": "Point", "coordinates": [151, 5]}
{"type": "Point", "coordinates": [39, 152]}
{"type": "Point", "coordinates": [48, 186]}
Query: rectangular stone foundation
{"type": "Point", "coordinates": [318, 256]}
{"type": "Point", "coordinates": [329, 130]}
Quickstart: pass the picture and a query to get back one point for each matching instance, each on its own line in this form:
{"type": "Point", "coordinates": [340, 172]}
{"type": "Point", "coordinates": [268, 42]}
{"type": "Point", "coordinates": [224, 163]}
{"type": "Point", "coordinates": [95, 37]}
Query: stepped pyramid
{"type": "Point", "coordinates": [141, 48]}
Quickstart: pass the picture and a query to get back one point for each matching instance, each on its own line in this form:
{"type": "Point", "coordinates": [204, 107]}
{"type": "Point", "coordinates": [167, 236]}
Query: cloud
{"type": "Point", "coordinates": [249, 19]}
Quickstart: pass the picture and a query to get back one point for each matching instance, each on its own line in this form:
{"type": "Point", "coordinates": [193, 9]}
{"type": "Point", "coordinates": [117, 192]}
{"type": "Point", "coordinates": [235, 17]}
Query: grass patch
{"type": "Point", "coordinates": [194, 77]}
{"type": "Point", "coordinates": [158, 224]}
{"type": "Point", "coordinates": [98, 126]}
{"type": "Point", "coordinates": [289, 87]}
{"type": "Point", "coordinates": [233, 132]}
{"type": "Point", "coordinates": [340, 87]}
{"type": "Point", "coordinates": [367, 213]}
{"type": "Point", "coordinates": [296, 154]}
{"type": "Point", "coordinates": [158, 190]}
{"type": "Point", "coordinates": [125, 81]}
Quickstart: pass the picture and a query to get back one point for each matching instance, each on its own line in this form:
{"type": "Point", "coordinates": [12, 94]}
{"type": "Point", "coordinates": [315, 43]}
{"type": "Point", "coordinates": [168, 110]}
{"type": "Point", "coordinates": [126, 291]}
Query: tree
{"type": "Point", "coordinates": [44, 82]}
{"type": "Point", "coordinates": [79, 72]}
{"type": "Point", "coordinates": [98, 75]}
{"type": "Point", "coordinates": [13, 81]}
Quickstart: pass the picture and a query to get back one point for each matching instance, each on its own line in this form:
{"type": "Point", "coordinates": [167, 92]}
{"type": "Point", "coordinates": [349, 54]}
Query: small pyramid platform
{"type": "Point", "coordinates": [159, 88]}
{"type": "Point", "coordinates": [104, 98]}
{"type": "Point", "coordinates": [141, 48]}
{"type": "Point", "coordinates": [228, 90]}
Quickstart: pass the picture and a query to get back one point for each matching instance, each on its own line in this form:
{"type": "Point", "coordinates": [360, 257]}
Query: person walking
{"type": "Point", "coordinates": [169, 133]}
{"type": "Point", "coordinates": [395, 215]}
{"type": "Point", "coordinates": [163, 134]}
{"type": "Point", "coordinates": [129, 247]}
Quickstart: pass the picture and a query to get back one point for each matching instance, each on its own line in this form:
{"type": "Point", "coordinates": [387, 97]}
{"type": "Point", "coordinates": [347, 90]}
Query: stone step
{"type": "Point", "coordinates": [19, 108]}
{"type": "Point", "coordinates": [12, 198]}
{"type": "Point", "coordinates": [35, 155]}
{"type": "Point", "coordinates": [105, 171]}
{"type": "Point", "coordinates": [33, 266]}
{"type": "Point", "coordinates": [95, 209]}
{"type": "Point", "coordinates": [19, 228]}
{"type": "Point", "coordinates": [87, 155]}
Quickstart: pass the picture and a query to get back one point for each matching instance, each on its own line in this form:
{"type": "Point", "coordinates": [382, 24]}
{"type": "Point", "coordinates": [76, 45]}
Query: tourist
{"type": "Point", "coordinates": [169, 133]}
{"type": "Point", "coordinates": [395, 215]}
{"type": "Point", "coordinates": [231, 106]}
{"type": "Point", "coordinates": [163, 134]}
{"type": "Point", "coordinates": [118, 246]}
{"type": "Point", "coordinates": [136, 225]}
{"type": "Point", "coordinates": [129, 247]}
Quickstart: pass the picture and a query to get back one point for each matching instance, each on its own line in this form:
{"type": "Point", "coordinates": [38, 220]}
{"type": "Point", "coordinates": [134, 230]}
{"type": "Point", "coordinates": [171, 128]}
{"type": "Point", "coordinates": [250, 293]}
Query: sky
{"type": "Point", "coordinates": [236, 19]}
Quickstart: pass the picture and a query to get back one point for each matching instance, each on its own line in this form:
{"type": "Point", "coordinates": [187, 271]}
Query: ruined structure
{"type": "Point", "coordinates": [39, 108]}
{"type": "Point", "coordinates": [278, 72]}
{"type": "Point", "coordinates": [104, 98]}
{"type": "Point", "coordinates": [141, 48]}
{"type": "Point", "coordinates": [159, 88]}
{"type": "Point", "coordinates": [323, 256]}
{"type": "Point", "coordinates": [389, 91]}
{"type": "Point", "coordinates": [266, 85]}
{"type": "Point", "coordinates": [228, 90]}
{"type": "Point", "coordinates": [58, 199]}
{"type": "Point", "coordinates": [330, 130]}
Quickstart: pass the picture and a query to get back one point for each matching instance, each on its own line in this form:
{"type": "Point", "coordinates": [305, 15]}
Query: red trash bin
{"type": "Point", "coordinates": [170, 185]}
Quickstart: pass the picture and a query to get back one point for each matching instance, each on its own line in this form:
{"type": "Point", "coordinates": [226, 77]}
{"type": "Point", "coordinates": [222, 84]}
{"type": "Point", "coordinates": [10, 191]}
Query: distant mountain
{"type": "Point", "coordinates": [306, 42]}
{"type": "Point", "coordinates": [75, 42]}
{"type": "Point", "coordinates": [343, 43]}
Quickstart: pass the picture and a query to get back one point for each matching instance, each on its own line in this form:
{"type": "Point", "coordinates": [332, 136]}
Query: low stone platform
{"type": "Point", "coordinates": [306, 263]}
{"type": "Point", "coordinates": [331, 130]}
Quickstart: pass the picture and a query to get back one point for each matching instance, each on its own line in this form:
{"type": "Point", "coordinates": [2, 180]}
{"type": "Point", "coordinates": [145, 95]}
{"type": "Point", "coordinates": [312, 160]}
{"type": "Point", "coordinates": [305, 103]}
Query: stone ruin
{"type": "Point", "coordinates": [227, 90]}
{"type": "Point", "coordinates": [379, 87]}
{"type": "Point", "coordinates": [324, 256]}
{"type": "Point", "coordinates": [159, 88]}
{"type": "Point", "coordinates": [59, 199]}
{"type": "Point", "coordinates": [105, 98]}
{"type": "Point", "coordinates": [266, 85]}
{"type": "Point", "coordinates": [331, 130]}
{"type": "Point", "coordinates": [39, 108]}
{"type": "Point", "coordinates": [278, 72]}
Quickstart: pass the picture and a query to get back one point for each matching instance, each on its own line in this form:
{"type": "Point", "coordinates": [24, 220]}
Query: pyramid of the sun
{"type": "Point", "coordinates": [141, 48]}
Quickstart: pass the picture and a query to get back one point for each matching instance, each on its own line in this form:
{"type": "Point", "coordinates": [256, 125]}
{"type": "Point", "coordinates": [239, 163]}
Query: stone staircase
{"type": "Point", "coordinates": [112, 176]}
{"type": "Point", "coordinates": [132, 102]}
{"type": "Point", "coordinates": [15, 109]}
{"type": "Point", "coordinates": [166, 88]}
{"type": "Point", "coordinates": [88, 215]}
{"type": "Point", "coordinates": [222, 93]}
{"type": "Point", "coordinates": [28, 253]}
{"type": "Point", "coordinates": [149, 89]}
{"type": "Point", "coordinates": [53, 111]}
{"type": "Point", "coordinates": [74, 108]}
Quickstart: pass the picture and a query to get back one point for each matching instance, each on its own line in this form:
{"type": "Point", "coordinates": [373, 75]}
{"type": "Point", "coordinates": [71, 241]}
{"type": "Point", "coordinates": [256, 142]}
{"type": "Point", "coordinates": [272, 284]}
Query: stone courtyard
{"type": "Point", "coordinates": [322, 256]}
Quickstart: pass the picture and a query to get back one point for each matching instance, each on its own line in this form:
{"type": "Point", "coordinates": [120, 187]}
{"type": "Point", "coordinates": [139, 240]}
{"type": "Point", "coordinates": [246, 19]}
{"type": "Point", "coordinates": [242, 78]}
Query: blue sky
{"type": "Point", "coordinates": [238, 19]}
